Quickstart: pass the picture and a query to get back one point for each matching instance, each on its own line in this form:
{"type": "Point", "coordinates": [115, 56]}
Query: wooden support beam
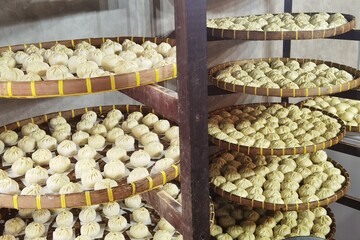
{"type": "Point", "coordinates": [166, 206]}
{"type": "Point", "coordinates": [191, 44]}
{"type": "Point", "coordinates": [350, 201]}
{"type": "Point", "coordinates": [163, 100]}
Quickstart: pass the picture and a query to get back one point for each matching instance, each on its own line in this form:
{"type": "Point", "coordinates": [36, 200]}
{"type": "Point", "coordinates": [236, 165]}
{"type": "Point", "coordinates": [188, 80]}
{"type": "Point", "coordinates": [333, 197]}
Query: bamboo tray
{"type": "Point", "coordinates": [91, 197]}
{"type": "Point", "coordinates": [6, 214]}
{"type": "Point", "coordinates": [277, 151]}
{"type": "Point", "coordinates": [81, 86]}
{"type": "Point", "coordinates": [285, 207]}
{"type": "Point", "coordinates": [329, 236]}
{"type": "Point", "coordinates": [283, 35]}
{"type": "Point", "coordinates": [285, 92]}
{"type": "Point", "coordinates": [349, 128]}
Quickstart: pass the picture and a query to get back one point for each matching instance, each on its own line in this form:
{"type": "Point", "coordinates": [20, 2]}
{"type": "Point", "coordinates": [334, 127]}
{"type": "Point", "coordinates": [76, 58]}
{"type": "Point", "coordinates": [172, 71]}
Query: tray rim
{"type": "Point", "coordinates": [285, 92]}
{"type": "Point", "coordinates": [90, 197]}
{"type": "Point", "coordinates": [285, 207]}
{"type": "Point", "coordinates": [223, 33]}
{"type": "Point", "coordinates": [280, 151]}
{"type": "Point", "coordinates": [348, 127]}
{"type": "Point", "coordinates": [83, 86]}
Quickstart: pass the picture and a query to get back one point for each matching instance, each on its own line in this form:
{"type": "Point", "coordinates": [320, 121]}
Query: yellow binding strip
{"type": "Point", "coordinates": [110, 194]}
{"type": "Point", "coordinates": [16, 201]}
{"type": "Point", "coordinates": [87, 198]}
{"type": "Point", "coordinates": [38, 201]}
{"type": "Point", "coordinates": [63, 200]}
{"type": "Point", "coordinates": [151, 182]}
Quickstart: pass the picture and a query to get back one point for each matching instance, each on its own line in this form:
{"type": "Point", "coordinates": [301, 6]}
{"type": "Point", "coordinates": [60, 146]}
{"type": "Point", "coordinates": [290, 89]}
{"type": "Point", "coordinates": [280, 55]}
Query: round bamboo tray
{"type": "Point", "coordinates": [277, 151]}
{"type": "Point", "coordinates": [81, 86]}
{"type": "Point", "coordinates": [283, 35]}
{"type": "Point", "coordinates": [6, 214]}
{"type": "Point", "coordinates": [91, 197]}
{"type": "Point", "coordinates": [285, 92]}
{"type": "Point", "coordinates": [329, 236]}
{"type": "Point", "coordinates": [348, 127]}
{"type": "Point", "coordinates": [285, 207]}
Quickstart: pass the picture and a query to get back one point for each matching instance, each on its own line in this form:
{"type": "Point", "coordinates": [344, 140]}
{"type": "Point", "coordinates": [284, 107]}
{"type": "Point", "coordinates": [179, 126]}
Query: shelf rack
{"type": "Point", "coordinates": [189, 107]}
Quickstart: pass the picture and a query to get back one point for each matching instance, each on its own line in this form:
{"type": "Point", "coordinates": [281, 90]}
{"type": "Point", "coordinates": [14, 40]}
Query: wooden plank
{"type": "Point", "coordinates": [191, 43]}
{"type": "Point", "coordinates": [166, 206]}
{"type": "Point", "coordinates": [351, 94]}
{"type": "Point", "coordinates": [347, 149]}
{"type": "Point", "coordinates": [350, 201]}
{"type": "Point", "coordinates": [163, 100]}
{"type": "Point", "coordinates": [287, 43]}
{"type": "Point", "coordinates": [353, 35]}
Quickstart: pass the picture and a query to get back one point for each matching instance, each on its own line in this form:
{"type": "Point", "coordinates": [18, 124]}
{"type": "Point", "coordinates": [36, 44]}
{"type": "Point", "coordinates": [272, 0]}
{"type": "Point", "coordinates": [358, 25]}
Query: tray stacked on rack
{"type": "Point", "coordinates": [282, 26]}
{"type": "Point", "coordinates": [103, 142]}
{"type": "Point", "coordinates": [85, 66]}
{"type": "Point", "coordinates": [347, 109]}
{"type": "Point", "coordinates": [275, 162]}
{"type": "Point", "coordinates": [234, 221]}
{"type": "Point", "coordinates": [284, 77]}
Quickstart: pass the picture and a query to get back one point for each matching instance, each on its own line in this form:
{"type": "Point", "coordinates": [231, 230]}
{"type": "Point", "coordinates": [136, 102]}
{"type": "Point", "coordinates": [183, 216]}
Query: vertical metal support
{"type": "Point", "coordinates": [287, 43]}
{"type": "Point", "coordinates": [191, 43]}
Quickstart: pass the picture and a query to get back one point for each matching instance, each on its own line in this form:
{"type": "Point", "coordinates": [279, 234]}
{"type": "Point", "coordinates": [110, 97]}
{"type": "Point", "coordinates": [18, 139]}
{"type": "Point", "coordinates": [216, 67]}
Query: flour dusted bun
{"type": "Point", "coordinates": [9, 186]}
{"type": "Point", "coordinates": [150, 119]}
{"type": "Point", "coordinates": [84, 125]}
{"type": "Point", "coordinates": [98, 129]}
{"type": "Point", "coordinates": [115, 113]}
{"type": "Point", "coordinates": [126, 66]}
{"type": "Point", "coordinates": [141, 215]}
{"type": "Point", "coordinates": [80, 137]}
{"type": "Point", "coordinates": [9, 137]}
{"type": "Point", "coordinates": [113, 134]}
{"type": "Point", "coordinates": [47, 142]}
{"type": "Point", "coordinates": [97, 141]}
{"type": "Point", "coordinates": [96, 56]}
{"type": "Point", "coordinates": [105, 184]}
{"type": "Point", "coordinates": [173, 152]}
{"type": "Point", "coordinates": [109, 62]}
{"type": "Point", "coordinates": [74, 62]}
{"type": "Point", "coordinates": [165, 225]}
{"type": "Point", "coordinates": [90, 177]}
{"type": "Point", "coordinates": [140, 158]}
{"type": "Point", "coordinates": [111, 209]}
{"type": "Point", "coordinates": [57, 72]}
{"type": "Point", "coordinates": [148, 138]}
{"type": "Point", "coordinates": [67, 148]}
{"type": "Point", "coordinates": [116, 153]}
{"type": "Point", "coordinates": [32, 190]}
{"type": "Point", "coordinates": [87, 214]}
{"type": "Point", "coordinates": [139, 230]}
{"type": "Point", "coordinates": [60, 135]}
{"type": "Point", "coordinates": [114, 169]}
{"type": "Point", "coordinates": [14, 226]}
{"type": "Point", "coordinates": [162, 235]}
{"type": "Point", "coordinates": [38, 134]}
{"type": "Point", "coordinates": [110, 123]}
{"type": "Point", "coordinates": [34, 230]}
{"type": "Point", "coordinates": [84, 69]}
{"type": "Point", "coordinates": [137, 174]}
{"type": "Point", "coordinates": [12, 154]}
{"type": "Point", "coordinates": [20, 56]}
{"type": "Point", "coordinates": [27, 144]}
{"type": "Point", "coordinates": [29, 128]}
{"type": "Point", "coordinates": [125, 141]}
{"type": "Point", "coordinates": [59, 164]}
{"type": "Point", "coordinates": [63, 233]}
{"type": "Point", "coordinates": [133, 201]}
{"type": "Point", "coordinates": [90, 229]}
{"type": "Point", "coordinates": [163, 48]}
{"type": "Point", "coordinates": [154, 149]}
{"type": "Point", "coordinates": [21, 165]}
{"type": "Point", "coordinates": [41, 157]}
{"type": "Point", "coordinates": [70, 188]}
{"type": "Point", "coordinates": [65, 218]}
{"type": "Point", "coordinates": [139, 130]}
{"type": "Point", "coordinates": [172, 133]}
{"type": "Point", "coordinates": [114, 236]}
{"type": "Point", "coordinates": [129, 124]}
{"type": "Point", "coordinates": [41, 216]}
{"type": "Point", "coordinates": [86, 152]}
{"type": "Point", "coordinates": [161, 126]}
{"type": "Point", "coordinates": [38, 68]}
{"type": "Point", "coordinates": [37, 175]}
{"type": "Point", "coordinates": [57, 121]}
{"type": "Point", "coordinates": [56, 181]}
{"type": "Point", "coordinates": [162, 164]}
